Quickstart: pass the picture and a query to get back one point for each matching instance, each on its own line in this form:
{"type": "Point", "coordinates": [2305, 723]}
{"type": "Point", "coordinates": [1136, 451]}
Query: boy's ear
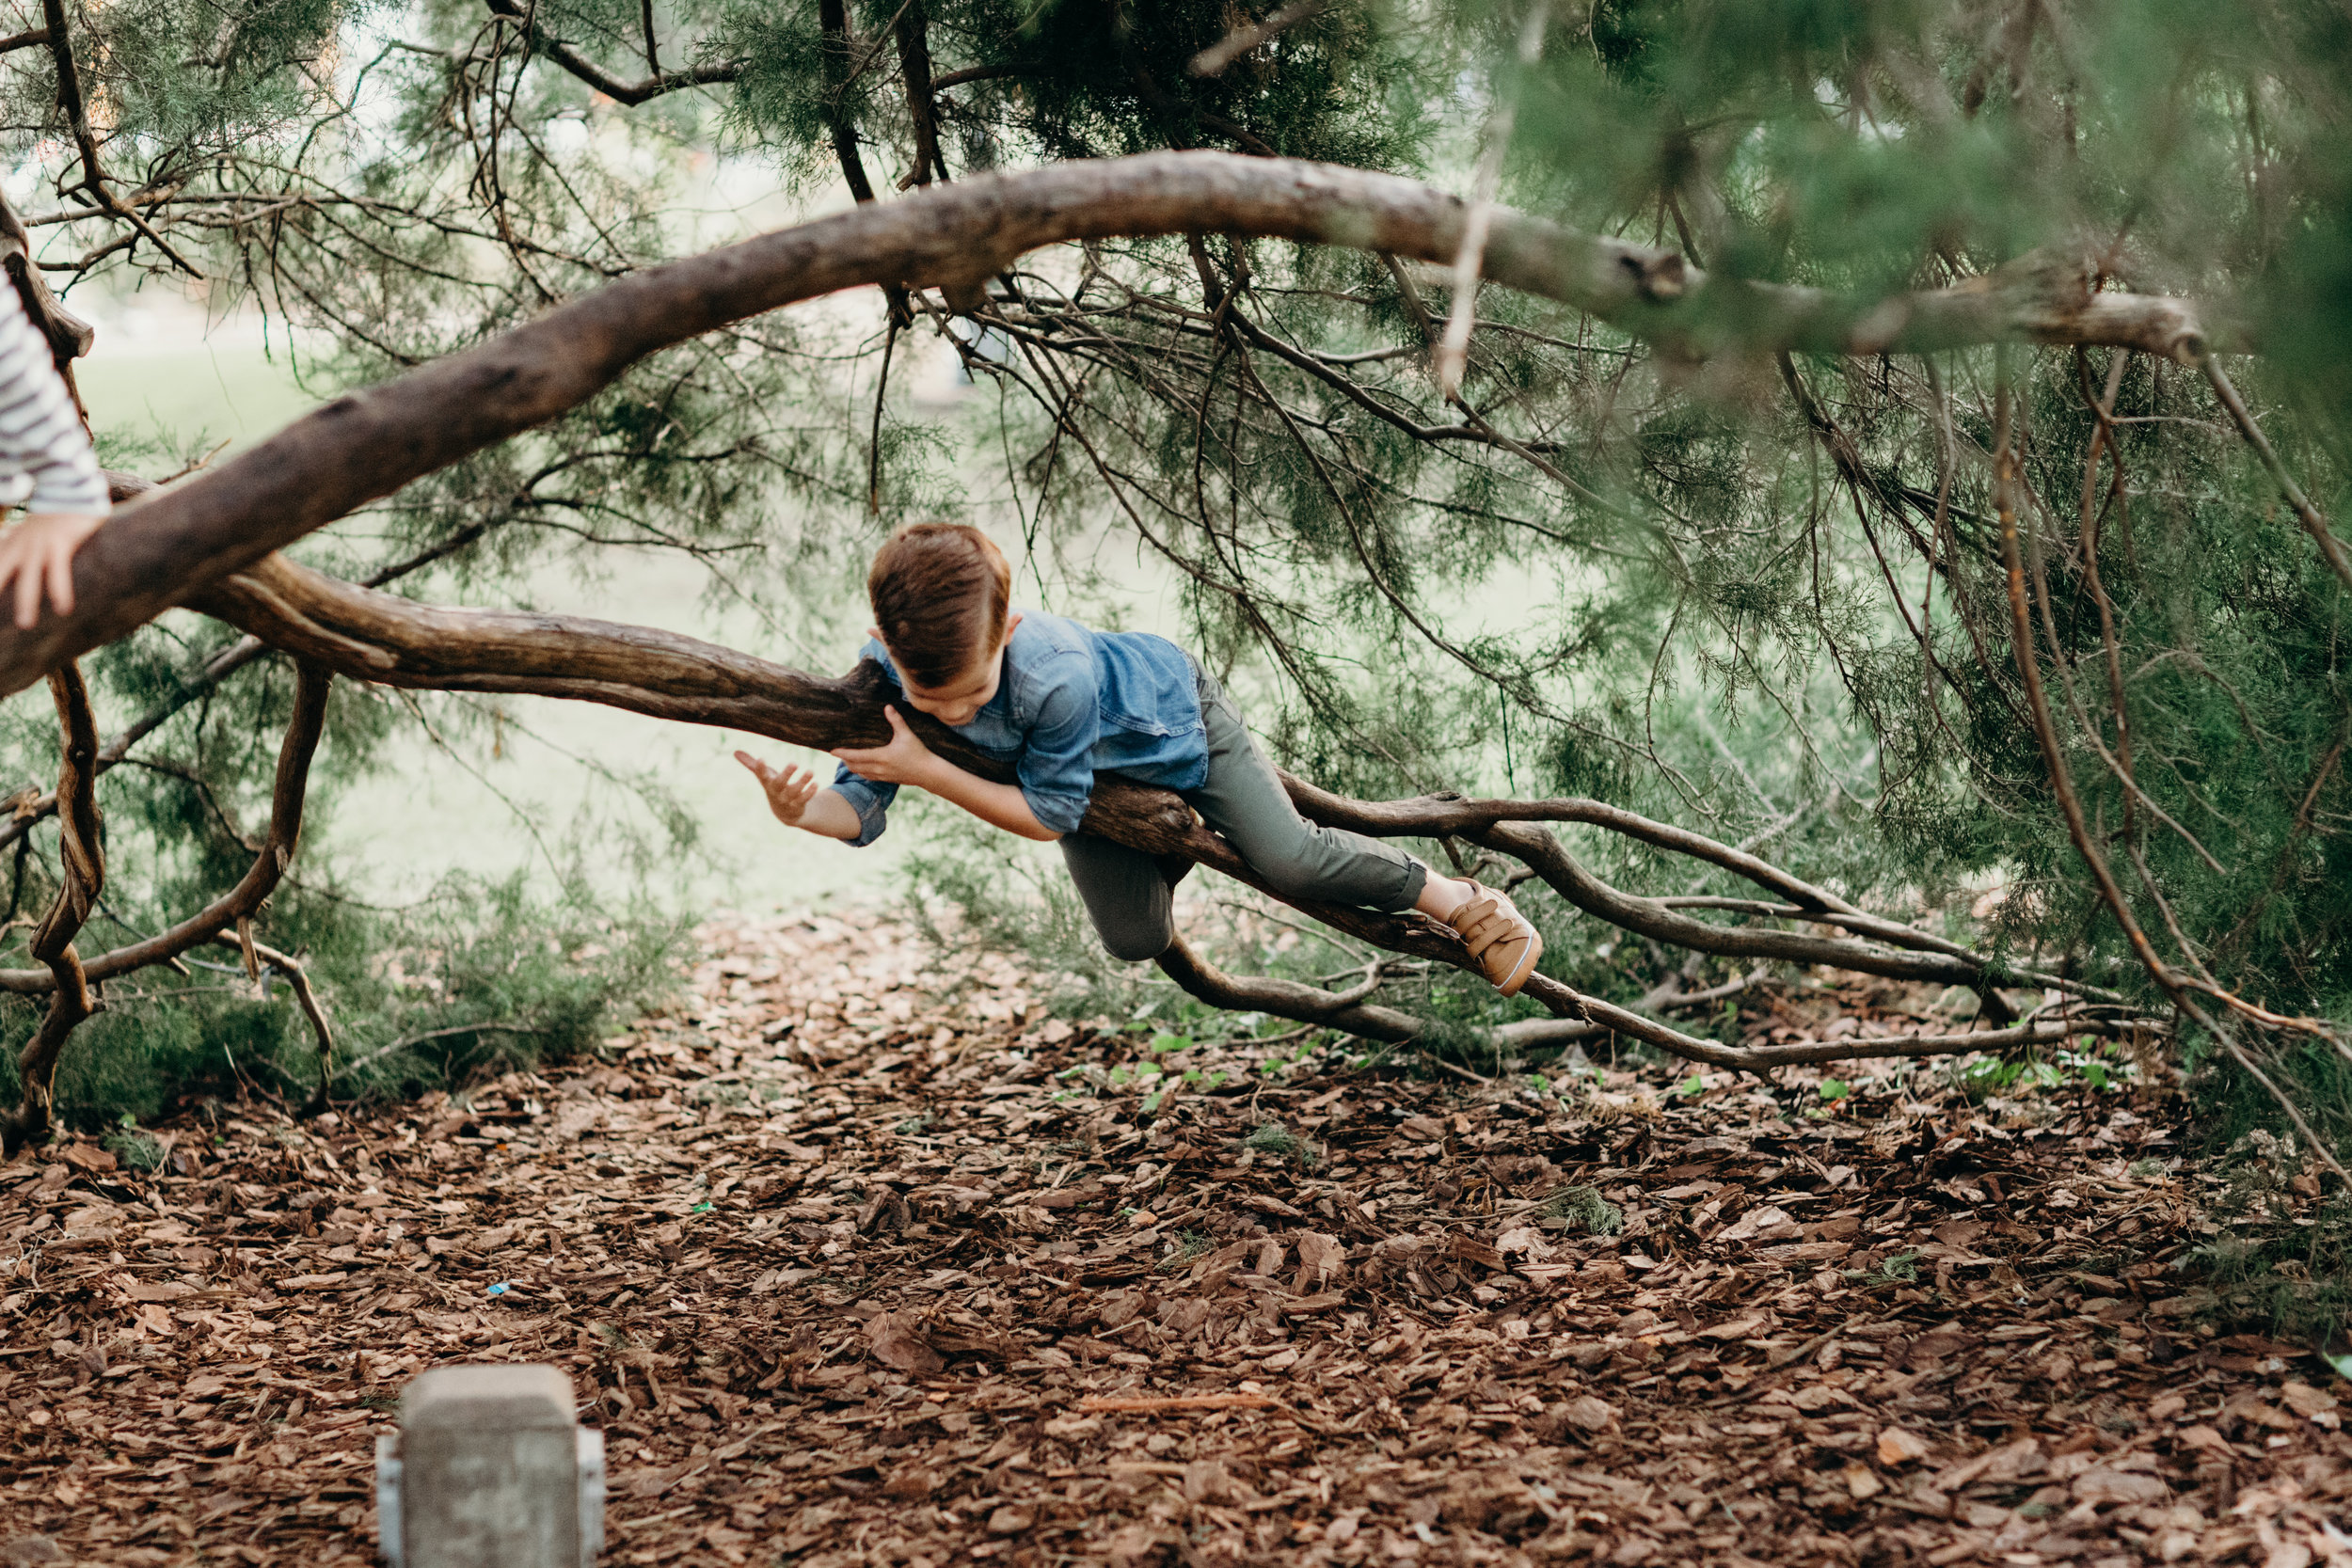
{"type": "Point", "coordinates": [875, 632]}
{"type": "Point", "coordinates": [1010, 621]}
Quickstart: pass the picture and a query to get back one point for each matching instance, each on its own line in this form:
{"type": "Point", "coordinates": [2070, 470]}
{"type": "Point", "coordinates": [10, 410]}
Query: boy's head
{"type": "Point", "coordinates": [940, 594]}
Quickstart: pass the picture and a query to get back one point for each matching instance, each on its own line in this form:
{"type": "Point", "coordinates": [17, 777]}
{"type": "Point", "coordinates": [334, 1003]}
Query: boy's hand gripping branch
{"type": "Point", "coordinates": [903, 760]}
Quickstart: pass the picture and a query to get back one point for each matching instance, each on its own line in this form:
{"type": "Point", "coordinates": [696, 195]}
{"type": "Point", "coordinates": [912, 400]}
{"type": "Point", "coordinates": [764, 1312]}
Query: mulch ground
{"type": "Point", "coordinates": [849, 1273]}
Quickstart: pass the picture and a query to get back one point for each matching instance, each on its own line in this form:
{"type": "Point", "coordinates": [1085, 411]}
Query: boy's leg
{"type": "Point", "coordinates": [1245, 800]}
{"type": "Point", "coordinates": [1127, 893]}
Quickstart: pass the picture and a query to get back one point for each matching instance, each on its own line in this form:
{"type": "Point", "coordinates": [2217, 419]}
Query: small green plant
{"type": "Point", "coordinates": [131, 1147]}
{"type": "Point", "coordinates": [2091, 1065]}
{"type": "Point", "coordinates": [1835, 1090]}
{"type": "Point", "coordinates": [1584, 1205]}
{"type": "Point", "coordinates": [1691, 1087]}
{"type": "Point", "coordinates": [1189, 1244]}
{"type": "Point", "coordinates": [1900, 1269]}
{"type": "Point", "coordinates": [1164, 1044]}
{"type": "Point", "coordinates": [1274, 1138]}
{"type": "Point", "coordinates": [915, 1125]}
{"type": "Point", "coordinates": [1277, 1063]}
{"type": "Point", "coordinates": [1132, 1072]}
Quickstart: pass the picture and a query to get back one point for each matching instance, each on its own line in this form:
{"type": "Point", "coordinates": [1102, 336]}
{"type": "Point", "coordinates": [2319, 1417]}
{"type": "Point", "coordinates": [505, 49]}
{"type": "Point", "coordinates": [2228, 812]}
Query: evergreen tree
{"type": "Point", "coordinates": [1903, 438]}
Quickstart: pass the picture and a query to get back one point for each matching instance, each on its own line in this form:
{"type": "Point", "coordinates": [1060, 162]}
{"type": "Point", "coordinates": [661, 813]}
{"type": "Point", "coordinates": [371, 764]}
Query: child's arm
{"type": "Point", "coordinates": [907, 761]}
{"type": "Point", "coordinates": [793, 795]}
{"type": "Point", "coordinates": [42, 435]}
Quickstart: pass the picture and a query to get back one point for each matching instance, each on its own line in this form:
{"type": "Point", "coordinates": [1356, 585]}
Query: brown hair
{"type": "Point", "coordinates": [940, 593]}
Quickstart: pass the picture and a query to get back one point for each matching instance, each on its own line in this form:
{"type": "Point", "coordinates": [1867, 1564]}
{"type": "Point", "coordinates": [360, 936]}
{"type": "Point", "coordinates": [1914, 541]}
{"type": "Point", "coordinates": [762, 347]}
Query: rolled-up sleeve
{"type": "Point", "coordinates": [1057, 768]}
{"type": "Point", "coordinates": [870, 800]}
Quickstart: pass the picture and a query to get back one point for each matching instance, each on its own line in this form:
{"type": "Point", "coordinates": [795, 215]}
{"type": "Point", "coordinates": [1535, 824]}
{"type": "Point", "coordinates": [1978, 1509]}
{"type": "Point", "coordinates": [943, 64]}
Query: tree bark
{"type": "Point", "coordinates": [82, 867]}
{"type": "Point", "coordinates": [165, 548]}
{"type": "Point", "coordinates": [240, 903]}
{"type": "Point", "coordinates": [379, 637]}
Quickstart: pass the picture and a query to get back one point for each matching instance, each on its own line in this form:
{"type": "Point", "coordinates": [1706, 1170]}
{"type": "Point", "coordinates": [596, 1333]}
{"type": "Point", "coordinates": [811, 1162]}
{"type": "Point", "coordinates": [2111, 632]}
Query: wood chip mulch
{"type": "Point", "coordinates": [851, 1272]}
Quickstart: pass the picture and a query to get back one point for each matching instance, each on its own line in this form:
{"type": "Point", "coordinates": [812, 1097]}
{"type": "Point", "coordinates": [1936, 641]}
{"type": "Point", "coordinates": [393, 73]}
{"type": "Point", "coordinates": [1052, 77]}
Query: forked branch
{"type": "Point", "coordinates": [65, 978]}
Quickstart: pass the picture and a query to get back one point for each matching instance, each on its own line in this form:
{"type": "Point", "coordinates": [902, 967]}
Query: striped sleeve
{"type": "Point", "coordinates": [39, 433]}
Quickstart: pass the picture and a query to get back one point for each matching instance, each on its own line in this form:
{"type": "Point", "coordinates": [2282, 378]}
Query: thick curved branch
{"type": "Point", "coordinates": [166, 548]}
{"type": "Point", "coordinates": [245, 900]}
{"type": "Point", "coordinates": [82, 859]}
{"type": "Point", "coordinates": [219, 668]}
{"type": "Point", "coordinates": [69, 336]}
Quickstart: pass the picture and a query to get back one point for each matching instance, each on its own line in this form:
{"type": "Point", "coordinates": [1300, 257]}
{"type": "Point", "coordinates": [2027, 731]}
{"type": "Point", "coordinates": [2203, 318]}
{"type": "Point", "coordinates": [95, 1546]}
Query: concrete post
{"type": "Point", "coordinates": [490, 1471]}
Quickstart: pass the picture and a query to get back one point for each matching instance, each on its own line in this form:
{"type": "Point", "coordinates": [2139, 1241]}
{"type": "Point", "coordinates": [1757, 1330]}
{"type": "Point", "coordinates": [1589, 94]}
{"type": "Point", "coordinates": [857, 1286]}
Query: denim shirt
{"type": "Point", "coordinates": [1071, 702]}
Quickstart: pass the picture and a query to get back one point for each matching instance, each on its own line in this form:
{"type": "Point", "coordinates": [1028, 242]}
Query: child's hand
{"type": "Point", "coordinates": [38, 552]}
{"type": "Point", "coordinates": [904, 761]}
{"type": "Point", "coordinates": [789, 790]}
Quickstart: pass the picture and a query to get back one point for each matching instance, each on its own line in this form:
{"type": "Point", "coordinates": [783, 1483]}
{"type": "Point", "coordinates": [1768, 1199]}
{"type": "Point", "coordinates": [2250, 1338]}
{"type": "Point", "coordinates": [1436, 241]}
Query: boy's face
{"type": "Point", "coordinates": [960, 700]}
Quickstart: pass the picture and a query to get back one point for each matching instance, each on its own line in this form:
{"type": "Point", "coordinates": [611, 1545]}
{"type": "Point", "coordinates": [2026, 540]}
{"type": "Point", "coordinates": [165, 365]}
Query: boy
{"type": "Point", "coordinates": [1064, 703]}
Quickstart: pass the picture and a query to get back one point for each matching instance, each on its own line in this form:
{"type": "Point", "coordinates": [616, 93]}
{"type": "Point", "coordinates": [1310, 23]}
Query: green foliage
{"type": "Point", "coordinates": [475, 980]}
{"type": "Point", "coordinates": [2093, 1065]}
{"type": "Point", "coordinates": [1272, 1137]}
{"type": "Point", "coordinates": [1900, 1268]}
{"type": "Point", "coordinates": [1584, 1205]}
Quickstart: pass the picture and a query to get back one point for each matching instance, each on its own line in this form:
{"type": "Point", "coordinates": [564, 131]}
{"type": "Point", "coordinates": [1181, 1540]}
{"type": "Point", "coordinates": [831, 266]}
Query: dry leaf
{"type": "Point", "coordinates": [1898, 1447]}
{"type": "Point", "coordinates": [897, 1342]}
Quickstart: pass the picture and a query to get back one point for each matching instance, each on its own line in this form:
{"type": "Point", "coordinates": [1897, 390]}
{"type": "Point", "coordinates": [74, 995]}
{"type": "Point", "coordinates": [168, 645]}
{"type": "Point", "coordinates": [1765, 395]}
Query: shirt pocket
{"type": "Point", "coordinates": [1139, 723]}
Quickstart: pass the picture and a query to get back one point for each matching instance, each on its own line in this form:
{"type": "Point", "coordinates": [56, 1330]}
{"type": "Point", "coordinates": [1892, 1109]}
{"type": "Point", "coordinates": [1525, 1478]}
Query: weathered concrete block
{"type": "Point", "coordinates": [490, 1471]}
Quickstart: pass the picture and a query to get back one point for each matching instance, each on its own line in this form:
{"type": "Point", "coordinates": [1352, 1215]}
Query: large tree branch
{"type": "Point", "coordinates": [381, 638]}
{"type": "Point", "coordinates": [166, 548]}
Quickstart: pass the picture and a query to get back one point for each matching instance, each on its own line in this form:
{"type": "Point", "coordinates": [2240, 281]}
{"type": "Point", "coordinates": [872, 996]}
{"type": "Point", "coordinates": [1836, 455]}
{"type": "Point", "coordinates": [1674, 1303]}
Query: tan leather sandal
{"type": "Point", "coordinates": [1504, 941]}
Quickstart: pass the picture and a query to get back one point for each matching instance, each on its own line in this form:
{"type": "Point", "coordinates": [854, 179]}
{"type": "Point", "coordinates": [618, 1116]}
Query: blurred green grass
{"type": "Point", "coordinates": [396, 832]}
{"type": "Point", "coordinates": [206, 393]}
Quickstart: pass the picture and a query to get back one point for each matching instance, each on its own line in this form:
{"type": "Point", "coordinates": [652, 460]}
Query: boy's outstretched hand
{"type": "Point", "coordinates": [904, 761]}
{"type": "Point", "coordinates": [789, 788]}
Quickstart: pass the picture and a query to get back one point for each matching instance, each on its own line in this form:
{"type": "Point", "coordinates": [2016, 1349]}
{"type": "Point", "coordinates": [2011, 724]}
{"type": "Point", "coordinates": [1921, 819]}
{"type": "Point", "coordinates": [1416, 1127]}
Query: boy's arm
{"type": "Point", "coordinates": [793, 795]}
{"type": "Point", "coordinates": [907, 761]}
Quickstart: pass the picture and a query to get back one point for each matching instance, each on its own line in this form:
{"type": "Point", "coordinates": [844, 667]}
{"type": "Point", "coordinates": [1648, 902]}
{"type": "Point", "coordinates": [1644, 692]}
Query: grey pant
{"type": "Point", "coordinates": [1131, 898]}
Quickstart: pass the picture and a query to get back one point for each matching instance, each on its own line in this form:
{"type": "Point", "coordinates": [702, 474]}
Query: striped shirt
{"type": "Point", "coordinates": [40, 436]}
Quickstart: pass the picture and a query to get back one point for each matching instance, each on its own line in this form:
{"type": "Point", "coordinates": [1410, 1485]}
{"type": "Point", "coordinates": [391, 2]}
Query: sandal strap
{"type": "Point", "coordinates": [1486, 922]}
